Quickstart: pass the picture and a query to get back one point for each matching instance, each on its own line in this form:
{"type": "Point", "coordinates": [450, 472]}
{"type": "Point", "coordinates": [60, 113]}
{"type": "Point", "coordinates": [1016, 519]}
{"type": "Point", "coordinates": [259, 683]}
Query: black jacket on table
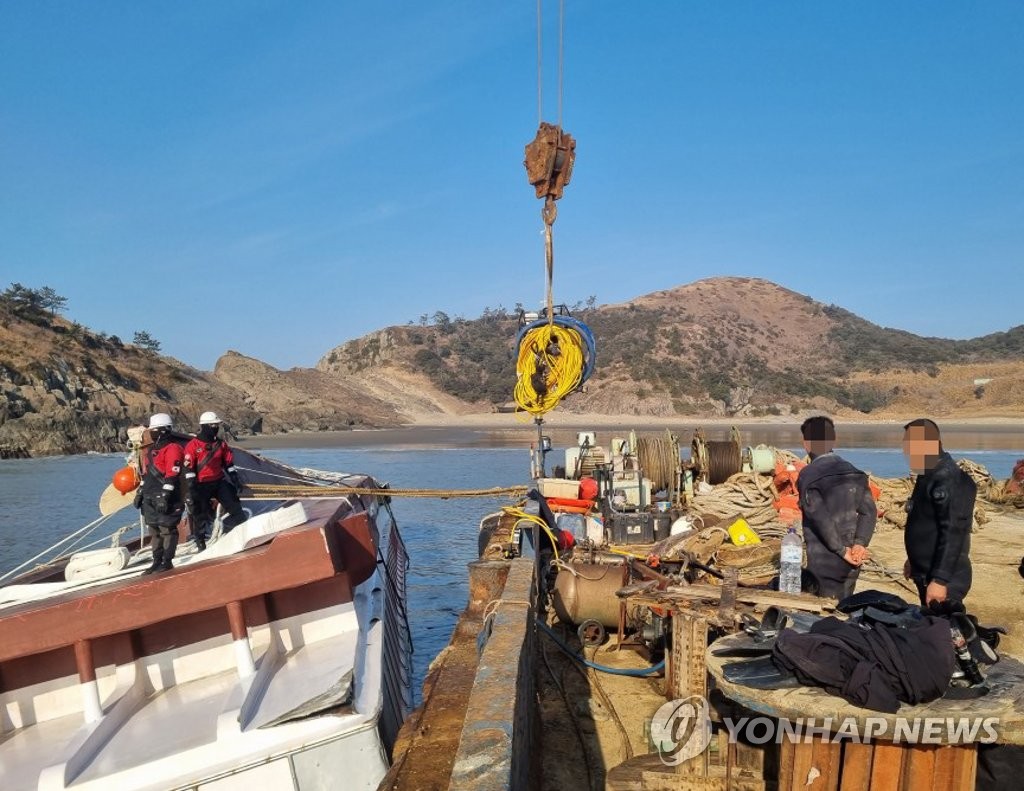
{"type": "Point", "coordinates": [876, 668]}
{"type": "Point", "coordinates": [938, 533]}
{"type": "Point", "coordinates": [838, 512]}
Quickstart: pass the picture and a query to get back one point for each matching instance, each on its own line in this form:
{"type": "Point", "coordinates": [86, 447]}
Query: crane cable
{"type": "Point", "coordinates": [540, 59]}
{"type": "Point", "coordinates": [556, 356]}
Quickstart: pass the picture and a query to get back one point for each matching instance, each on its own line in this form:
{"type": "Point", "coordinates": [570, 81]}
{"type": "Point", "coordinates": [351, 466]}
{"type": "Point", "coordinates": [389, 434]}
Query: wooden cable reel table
{"type": "Point", "coordinates": [880, 764]}
{"type": "Point", "coordinates": [817, 764]}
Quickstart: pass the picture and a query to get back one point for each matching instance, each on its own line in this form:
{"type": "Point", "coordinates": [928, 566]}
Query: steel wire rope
{"type": "Point", "coordinates": [723, 461]}
{"type": "Point", "coordinates": [540, 63]}
{"type": "Point", "coordinates": [561, 54]}
{"type": "Point", "coordinates": [658, 458]}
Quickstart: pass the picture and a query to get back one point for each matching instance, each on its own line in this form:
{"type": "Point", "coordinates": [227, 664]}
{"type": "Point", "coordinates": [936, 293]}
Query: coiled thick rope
{"type": "Point", "coordinates": [555, 358]}
{"type": "Point", "coordinates": [751, 496]}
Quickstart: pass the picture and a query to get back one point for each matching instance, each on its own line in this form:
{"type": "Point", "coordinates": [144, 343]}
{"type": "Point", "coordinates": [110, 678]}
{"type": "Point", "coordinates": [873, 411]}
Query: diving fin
{"type": "Point", "coordinates": [745, 651]}
{"type": "Point", "coordinates": [760, 673]}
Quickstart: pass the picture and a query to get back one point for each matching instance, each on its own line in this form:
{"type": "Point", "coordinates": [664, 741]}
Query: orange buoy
{"type": "Point", "coordinates": [588, 489]}
{"type": "Point", "coordinates": [125, 480]}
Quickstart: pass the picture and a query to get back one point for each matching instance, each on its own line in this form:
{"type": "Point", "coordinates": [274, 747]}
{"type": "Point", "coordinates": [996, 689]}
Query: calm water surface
{"type": "Point", "coordinates": [42, 500]}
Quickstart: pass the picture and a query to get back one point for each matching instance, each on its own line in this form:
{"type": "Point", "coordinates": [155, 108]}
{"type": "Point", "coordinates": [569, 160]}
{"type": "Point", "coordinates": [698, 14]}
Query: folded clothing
{"type": "Point", "coordinates": [876, 667]}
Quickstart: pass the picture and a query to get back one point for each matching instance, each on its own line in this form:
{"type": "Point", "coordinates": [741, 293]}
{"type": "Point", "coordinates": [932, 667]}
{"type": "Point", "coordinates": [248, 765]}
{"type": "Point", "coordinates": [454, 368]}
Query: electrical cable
{"type": "Point", "coordinates": [554, 359]}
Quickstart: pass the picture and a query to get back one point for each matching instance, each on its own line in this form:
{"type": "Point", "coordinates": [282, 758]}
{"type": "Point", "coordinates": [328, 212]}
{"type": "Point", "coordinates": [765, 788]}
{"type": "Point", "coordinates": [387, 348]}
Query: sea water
{"type": "Point", "coordinates": [42, 500]}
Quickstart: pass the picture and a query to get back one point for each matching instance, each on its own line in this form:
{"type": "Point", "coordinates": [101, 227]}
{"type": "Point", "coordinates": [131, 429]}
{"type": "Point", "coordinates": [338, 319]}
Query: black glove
{"type": "Point", "coordinates": [190, 506]}
{"type": "Point", "coordinates": [162, 503]}
{"type": "Point", "coordinates": [137, 502]}
{"type": "Point", "coordinates": [236, 482]}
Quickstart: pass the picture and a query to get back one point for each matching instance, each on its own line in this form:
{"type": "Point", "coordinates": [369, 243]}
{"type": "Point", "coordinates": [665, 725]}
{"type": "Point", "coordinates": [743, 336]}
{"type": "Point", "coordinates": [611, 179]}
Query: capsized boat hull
{"type": "Point", "coordinates": [283, 665]}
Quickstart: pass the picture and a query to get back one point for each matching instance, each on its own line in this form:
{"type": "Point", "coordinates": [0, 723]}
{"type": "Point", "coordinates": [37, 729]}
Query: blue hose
{"type": "Point", "coordinates": [615, 671]}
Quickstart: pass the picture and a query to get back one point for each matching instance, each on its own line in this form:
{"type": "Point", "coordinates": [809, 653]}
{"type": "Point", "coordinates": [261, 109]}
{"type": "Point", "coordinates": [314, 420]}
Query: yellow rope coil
{"type": "Point", "coordinates": [554, 354]}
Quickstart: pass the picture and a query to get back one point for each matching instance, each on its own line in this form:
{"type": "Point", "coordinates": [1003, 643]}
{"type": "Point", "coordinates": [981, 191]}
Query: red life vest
{"type": "Point", "coordinates": [208, 461]}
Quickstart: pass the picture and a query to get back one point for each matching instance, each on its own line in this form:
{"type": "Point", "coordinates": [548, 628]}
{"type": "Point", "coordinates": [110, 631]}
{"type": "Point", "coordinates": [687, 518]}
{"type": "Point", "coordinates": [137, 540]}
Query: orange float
{"type": "Point", "coordinates": [788, 502]}
{"type": "Point", "coordinates": [125, 480]}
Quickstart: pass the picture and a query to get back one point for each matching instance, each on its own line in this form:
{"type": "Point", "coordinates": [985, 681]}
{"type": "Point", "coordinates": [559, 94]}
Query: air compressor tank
{"type": "Point", "coordinates": [587, 592]}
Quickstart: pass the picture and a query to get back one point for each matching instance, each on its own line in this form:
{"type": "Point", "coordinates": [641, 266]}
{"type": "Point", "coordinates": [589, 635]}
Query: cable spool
{"type": "Point", "coordinates": [716, 460]}
{"type": "Point", "coordinates": [659, 460]}
{"type": "Point", "coordinates": [723, 461]}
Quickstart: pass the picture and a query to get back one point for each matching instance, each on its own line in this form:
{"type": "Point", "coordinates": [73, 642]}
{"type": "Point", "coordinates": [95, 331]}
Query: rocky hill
{"type": "Point", "coordinates": [302, 399]}
{"type": "Point", "coordinates": [719, 347]}
{"type": "Point", "coordinates": [65, 389]}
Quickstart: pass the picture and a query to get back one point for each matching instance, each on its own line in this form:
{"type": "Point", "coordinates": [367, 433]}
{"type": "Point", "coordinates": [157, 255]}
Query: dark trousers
{"type": "Point", "coordinates": [164, 541]}
{"type": "Point", "coordinates": [831, 583]}
{"type": "Point", "coordinates": [835, 577]}
{"type": "Point", "coordinates": [205, 511]}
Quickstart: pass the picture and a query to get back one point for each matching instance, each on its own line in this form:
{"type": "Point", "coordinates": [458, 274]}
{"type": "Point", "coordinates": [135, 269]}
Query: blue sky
{"type": "Point", "coordinates": [278, 177]}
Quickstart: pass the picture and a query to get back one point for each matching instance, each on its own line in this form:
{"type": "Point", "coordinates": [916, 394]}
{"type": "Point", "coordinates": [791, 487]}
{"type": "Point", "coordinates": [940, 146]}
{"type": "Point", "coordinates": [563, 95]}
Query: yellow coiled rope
{"type": "Point", "coordinates": [550, 366]}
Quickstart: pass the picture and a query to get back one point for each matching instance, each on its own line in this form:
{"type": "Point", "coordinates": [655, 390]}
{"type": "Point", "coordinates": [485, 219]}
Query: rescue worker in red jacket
{"type": "Point", "coordinates": [159, 497]}
{"type": "Point", "coordinates": [209, 463]}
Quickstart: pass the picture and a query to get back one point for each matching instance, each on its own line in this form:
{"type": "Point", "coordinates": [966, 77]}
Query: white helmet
{"type": "Point", "coordinates": [208, 418]}
{"type": "Point", "coordinates": [160, 420]}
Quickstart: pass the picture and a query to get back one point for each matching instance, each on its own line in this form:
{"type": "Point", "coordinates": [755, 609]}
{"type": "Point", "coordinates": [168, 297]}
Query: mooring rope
{"type": "Point", "coordinates": [272, 491]}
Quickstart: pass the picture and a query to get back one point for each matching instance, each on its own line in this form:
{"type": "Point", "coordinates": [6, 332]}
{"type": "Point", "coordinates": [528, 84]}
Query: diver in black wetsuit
{"type": "Point", "coordinates": [839, 513]}
{"type": "Point", "coordinates": [939, 515]}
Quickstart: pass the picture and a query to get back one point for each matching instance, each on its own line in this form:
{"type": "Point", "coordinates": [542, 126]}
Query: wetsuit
{"type": "Point", "coordinates": [160, 499]}
{"type": "Point", "coordinates": [209, 463]}
{"type": "Point", "coordinates": [938, 533]}
{"type": "Point", "coordinates": [838, 512]}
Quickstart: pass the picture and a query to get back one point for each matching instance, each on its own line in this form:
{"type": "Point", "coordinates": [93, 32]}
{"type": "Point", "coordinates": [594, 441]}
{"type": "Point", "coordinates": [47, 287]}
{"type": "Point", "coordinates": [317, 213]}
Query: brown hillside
{"type": "Point", "coordinates": [64, 389]}
{"type": "Point", "coordinates": [67, 390]}
{"type": "Point", "coordinates": [726, 346]}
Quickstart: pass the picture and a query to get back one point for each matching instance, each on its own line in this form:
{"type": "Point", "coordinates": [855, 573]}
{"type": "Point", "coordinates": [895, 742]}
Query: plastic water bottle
{"type": "Point", "coordinates": [792, 559]}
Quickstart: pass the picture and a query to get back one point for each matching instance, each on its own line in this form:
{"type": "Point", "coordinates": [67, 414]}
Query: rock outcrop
{"type": "Point", "coordinates": [64, 389]}
{"type": "Point", "coordinates": [303, 399]}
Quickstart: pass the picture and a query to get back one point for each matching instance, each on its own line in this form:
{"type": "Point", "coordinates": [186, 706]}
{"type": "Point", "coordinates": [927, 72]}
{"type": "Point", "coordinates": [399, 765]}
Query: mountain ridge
{"type": "Point", "coordinates": [718, 347]}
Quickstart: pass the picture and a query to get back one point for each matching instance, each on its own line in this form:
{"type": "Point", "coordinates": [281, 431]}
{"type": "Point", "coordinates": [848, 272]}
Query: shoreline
{"type": "Point", "coordinates": [489, 430]}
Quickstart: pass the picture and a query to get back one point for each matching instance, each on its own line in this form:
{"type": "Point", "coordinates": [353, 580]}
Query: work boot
{"type": "Point", "coordinates": [158, 559]}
